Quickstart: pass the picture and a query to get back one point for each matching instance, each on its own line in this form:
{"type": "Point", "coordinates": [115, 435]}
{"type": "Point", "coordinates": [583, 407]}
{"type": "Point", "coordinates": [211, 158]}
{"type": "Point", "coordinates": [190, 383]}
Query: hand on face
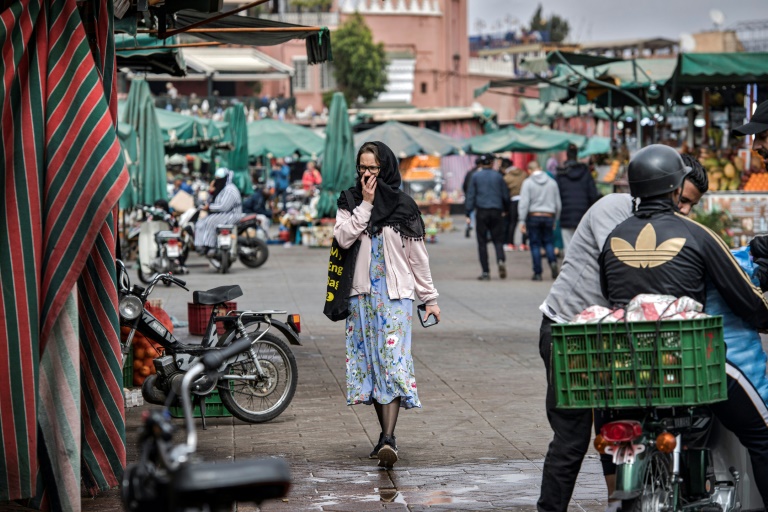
{"type": "Point", "coordinates": [369, 187]}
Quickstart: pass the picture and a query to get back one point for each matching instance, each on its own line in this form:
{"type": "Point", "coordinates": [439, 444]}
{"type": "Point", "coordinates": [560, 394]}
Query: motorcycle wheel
{"type": "Point", "coordinates": [657, 487]}
{"type": "Point", "coordinates": [253, 252]}
{"type": "Point", "coordinates": [145, 278]}
{"type": "Point", "coordinates": [224, 267]}
{"type": "Point", "coordinates": [262, 400]}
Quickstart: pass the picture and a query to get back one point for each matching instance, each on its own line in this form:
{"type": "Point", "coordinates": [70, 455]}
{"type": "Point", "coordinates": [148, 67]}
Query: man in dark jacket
{"type": "Point", "coordinates": [577, 193]}
{"type": "Point", "coordinates": [465, 188]}
{"type": "Point", "coordinates": [489, 195]}
{"type": "Point", "coordinates": [659, 251]}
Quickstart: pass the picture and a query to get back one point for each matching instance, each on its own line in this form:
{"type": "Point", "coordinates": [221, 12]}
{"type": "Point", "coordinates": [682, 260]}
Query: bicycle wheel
{"type": "Point", "coordinates": [263, 399]}
{"type": "Point", "coordinates": [657, 487]}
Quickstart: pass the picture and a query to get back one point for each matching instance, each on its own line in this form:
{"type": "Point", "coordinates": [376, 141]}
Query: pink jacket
{"type": "Point", "coordinates": [406, 261]}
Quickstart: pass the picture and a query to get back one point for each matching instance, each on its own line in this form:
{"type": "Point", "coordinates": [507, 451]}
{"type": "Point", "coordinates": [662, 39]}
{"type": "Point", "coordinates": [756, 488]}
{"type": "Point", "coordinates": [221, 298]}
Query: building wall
{"type": "Point", "coordinates": [717, 41]}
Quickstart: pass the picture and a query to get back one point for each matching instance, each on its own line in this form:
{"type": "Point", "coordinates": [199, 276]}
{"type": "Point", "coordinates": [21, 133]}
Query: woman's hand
{"type": "Point", "coordinates": [369, 188]}
{"type": "Point", "coordinates": [432, 310]}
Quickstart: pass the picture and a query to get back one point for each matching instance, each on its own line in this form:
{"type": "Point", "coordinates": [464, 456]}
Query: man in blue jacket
{"type": "Point", "coordinates": [577, 193]}
{"type": "Point", "coordinates": [489, 195]}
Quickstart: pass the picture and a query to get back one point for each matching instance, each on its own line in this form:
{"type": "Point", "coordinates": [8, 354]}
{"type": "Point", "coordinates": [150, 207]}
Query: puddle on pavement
{"type": "Point", "coordinates": [388, 495]}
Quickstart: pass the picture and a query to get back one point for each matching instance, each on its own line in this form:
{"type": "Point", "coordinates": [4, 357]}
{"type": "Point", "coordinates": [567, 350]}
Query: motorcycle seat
{"type": "Point", "coordinates": [248, 217]}
{"type": "Point", "coordinates": [217, 295]}
{"type": "Point", "coordinates": [243, 480]}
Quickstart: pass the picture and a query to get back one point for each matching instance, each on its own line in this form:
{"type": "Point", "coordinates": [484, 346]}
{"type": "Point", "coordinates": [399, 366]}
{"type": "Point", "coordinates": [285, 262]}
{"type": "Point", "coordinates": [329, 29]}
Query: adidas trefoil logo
{"type": "Point", "coordinates": [645, 253]}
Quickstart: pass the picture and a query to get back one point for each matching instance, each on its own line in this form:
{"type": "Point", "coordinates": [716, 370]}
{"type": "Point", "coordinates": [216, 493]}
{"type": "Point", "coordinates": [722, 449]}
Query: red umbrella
{"type": "Point", "coordinates": [61, 406]}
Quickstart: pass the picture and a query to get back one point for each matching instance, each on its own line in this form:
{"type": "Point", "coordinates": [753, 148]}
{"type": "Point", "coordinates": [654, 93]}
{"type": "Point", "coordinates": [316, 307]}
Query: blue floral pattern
{"type": "Point", "coordinates": [378, 338]}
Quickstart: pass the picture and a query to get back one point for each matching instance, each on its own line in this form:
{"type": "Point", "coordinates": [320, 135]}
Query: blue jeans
{"type": "Point", "coordinates": [540, 234]}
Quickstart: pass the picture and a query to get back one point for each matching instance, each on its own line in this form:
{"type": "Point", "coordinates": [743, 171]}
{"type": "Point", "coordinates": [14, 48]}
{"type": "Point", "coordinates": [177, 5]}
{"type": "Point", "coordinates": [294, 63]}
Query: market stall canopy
{"type": "Point", "coordinates": [406, 140]}
{"type": "Point", "coordinates": [595, 146]}
{"type": "Point", "coordinates": [318, 39]}
{"type": "Point", "coordinates": [269, 137]}
{"type": "Point", "coordinates": [145, 53]}
{"type": "Point", "coordinates": [338, 157]}
{"type": "Point", "coordinates": [537, 112]}
{"type": "Point", "coordinates": [233, 64]}
{"type": "Point", "coordinates": [129, 143]}
{"type": "Point", "coordinates": [698, 70]}
{"type": "Point", "coordinates": [530, 139]}
{"type": "Point", "coordinates": [236, 159]}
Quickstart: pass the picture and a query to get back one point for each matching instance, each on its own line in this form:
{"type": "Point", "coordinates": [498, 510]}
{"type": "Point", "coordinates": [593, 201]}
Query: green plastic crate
{"type": "Point", "coordinates": [595, 366]}
{"type": "Point", "coordinates": [128, 370]}
{"type": "Point", "coordinates": [213, 408]}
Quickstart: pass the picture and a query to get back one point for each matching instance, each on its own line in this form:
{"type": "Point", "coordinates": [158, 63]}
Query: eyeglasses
{"type": "Point", "coordinates": [374, 170]}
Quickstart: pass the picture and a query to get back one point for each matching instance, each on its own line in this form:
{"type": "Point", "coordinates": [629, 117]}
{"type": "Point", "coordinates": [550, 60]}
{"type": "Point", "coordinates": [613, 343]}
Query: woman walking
{"type": "Point", "coordinates": [392, 269]}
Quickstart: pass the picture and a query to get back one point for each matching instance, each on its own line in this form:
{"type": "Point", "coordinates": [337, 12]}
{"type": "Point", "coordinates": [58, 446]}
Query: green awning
{"type": "Point", "coordinates": [318, 40]}
{"type": "Point", "coordinates": [278, 139]}
{"type": "Point", "coordinates": [530, 139]}
{"type": "Point", "coordinates": [129, 144]}
{"type": "Point", "coordinates": [595, 146]}
{"type": "Point", "coordinates": [145, 53]}
{"type": "Point", "coordinates": [718, 69]}
{"type": "Point", "coordinates": [405, 140]}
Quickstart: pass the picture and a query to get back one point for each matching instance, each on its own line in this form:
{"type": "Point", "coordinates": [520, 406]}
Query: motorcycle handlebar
{"type": "Point", "coordinates": [178, 281]}
{"type": "Point", "coordinates": [213, 360]}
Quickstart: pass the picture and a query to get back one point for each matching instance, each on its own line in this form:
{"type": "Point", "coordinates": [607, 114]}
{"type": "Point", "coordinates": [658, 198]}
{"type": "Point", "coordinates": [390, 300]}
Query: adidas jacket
{"type": "Point", "coordinates": [660, 251]}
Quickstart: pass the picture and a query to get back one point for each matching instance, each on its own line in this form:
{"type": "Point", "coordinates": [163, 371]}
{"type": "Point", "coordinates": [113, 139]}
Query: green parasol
{"type": "Point", "coordinates": [406, 140]}
{"type": "Point", "coordinates": [338, 157]}
{"type": "Point", "coordinates": [140, 114]}
{"type": "Point", "coordinates": [278, 139]}
{"type": "Point", "coordinates": [530, 139]}
{"type": "Point", "coordinates": [129, 143]}
{"type": "Point", "coordinates": [236, 159]}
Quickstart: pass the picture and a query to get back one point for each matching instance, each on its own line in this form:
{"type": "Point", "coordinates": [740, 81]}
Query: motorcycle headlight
{"type": "Point", "coordinates": [130, 307]}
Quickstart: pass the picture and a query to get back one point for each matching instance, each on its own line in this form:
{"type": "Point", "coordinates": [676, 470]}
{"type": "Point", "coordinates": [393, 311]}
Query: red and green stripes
{"type": "Point", "coordinates": [62, 173]}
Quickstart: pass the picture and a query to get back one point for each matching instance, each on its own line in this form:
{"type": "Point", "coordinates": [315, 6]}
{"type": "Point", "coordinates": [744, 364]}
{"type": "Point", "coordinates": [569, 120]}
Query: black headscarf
{"type": "Point", "coordinates": [391, 207]}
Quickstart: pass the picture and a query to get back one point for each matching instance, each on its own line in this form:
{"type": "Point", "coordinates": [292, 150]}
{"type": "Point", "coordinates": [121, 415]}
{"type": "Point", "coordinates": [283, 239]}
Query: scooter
{"type": "Point", "coordinates": [161, 246]}
{"type": "Point", "coordinates": [170, 477]}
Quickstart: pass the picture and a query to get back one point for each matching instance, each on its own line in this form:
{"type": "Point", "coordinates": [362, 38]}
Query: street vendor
{"type": "Point", "coordinates": [659, 251]}
{"type": "Point", "coordinates": [757, 126]}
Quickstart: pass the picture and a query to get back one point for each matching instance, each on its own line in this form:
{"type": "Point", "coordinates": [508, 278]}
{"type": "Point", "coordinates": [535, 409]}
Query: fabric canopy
{"type": "Point", "coordinates": [318, 42]}
{"type": "Point", "coordinates": [140, 113]}
{"type": "Point", "coordinates": [717, 69]}
{"type": "Point", "coordinates": [129, 142]}
{"type": "Point", "coordinates": [405, 140]}
{"type": "Point", "coordinates": [61, 395]}
{"type": "Point", "coordinates": [595, 146]}
{"type": "Point", "coordinates": [530, 139]}
{"type": "Point", "coordinates": [338, 157]}
{"type": "Point", "coordinates": [278, 139]}
{"type": "Point", "coordinates": [144, 52]}
{"type": "Point", "coordinates": [236, 159]}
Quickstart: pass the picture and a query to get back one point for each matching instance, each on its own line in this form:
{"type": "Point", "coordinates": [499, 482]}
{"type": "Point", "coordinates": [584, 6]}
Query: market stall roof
{"type": "Point", "coordinates": [698, 70]}
{"type": "Point", "coordinates": [246, 30]}
{"type": "Point", "coordinates": [595, 146]}
{"type": "Point", "coordinates": [268, 137]}
{"type": "Point", "coordinates": [579, 59]}
{"type": "Point", "coordinates": [380, 115]}
{"type": "Point", "coordinates": [148, 54]}
{"type": "Point", "coordinates": [231, 64]}
{"type": "Point", "coordinates": [530, 139]}
{"type": "Point", "coordinates": [406, 140]}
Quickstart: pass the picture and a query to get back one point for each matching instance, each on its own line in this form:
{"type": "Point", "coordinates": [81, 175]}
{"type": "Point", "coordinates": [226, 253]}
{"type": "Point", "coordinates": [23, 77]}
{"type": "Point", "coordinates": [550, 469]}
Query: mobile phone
{"type": "Point", "coordinates": [426, 321]}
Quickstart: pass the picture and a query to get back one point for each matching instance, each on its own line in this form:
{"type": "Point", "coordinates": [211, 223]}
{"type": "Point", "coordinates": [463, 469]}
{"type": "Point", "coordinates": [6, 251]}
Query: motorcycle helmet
{"type": "Point", "coordinates": [656, 170]}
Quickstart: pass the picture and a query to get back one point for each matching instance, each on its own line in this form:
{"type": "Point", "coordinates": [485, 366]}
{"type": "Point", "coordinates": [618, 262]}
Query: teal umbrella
{"type": "Point", "coordinates": [140, 114]}
{"type": "Point", "coordinates": [236, 159]}
{"type": "Point", "coordinates": [278, 139]}
{"type": "Point", "coordinates": [530, 139]}
{"type": "Point", "coordinates": [129, 144]}
{"type": "Point", "coordinates": [338, 157]}
{"type": "Point", "coordinates": [405, 140]}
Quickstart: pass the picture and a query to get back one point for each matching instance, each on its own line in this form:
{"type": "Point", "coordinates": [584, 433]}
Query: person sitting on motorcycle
{"type": "Point", "coordinates": [257, 203]}
{"type": "Point", "coordinates": [224, 207]}
{"type": "Point", "coordinates": [659, 251]}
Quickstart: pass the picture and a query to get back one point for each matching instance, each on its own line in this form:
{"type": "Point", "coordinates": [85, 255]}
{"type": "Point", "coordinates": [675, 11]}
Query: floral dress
{"type": "Point", "coordinates": [378, 336]}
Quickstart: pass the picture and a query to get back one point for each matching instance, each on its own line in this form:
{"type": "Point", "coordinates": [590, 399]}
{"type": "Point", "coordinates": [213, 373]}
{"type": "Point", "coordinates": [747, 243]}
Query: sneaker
{"type": "Point", "coordinates": [375, 453]}
{"type": "Point", "coordinates": [510, 248]}
{"type": "Point", "coordinates": [484, 277]}
{"type": "Point", "coordinates": [536, 277]}
{"type": "Point", "coordinates": [467, 232]}
{"type": "Point", "coordinates": [555, 269]}
{"type": "Point", "coordinates": [523, 247]}
{"type": "Point", "coordinates": [502, 270]}
{"type": "Point", "coordinates": [388, 453]}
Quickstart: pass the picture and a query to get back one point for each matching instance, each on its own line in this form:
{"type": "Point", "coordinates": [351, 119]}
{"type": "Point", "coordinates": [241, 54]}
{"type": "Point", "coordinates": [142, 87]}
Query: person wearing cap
{"type": "Point", "coordinates": [489, 196]}
{"type": "Point", "coordinates": [757, 126]}
{"type": "Point", "coordinates": [659, 251]}
{"type": "Point", "coordinates": [224, 207]}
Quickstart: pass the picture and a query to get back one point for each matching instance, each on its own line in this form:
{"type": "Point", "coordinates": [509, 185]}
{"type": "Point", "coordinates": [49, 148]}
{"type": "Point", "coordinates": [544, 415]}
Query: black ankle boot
{"type": "Point", "coordinates": [375, 453]}
{"type": "Point", "coordinates": [388, 452]}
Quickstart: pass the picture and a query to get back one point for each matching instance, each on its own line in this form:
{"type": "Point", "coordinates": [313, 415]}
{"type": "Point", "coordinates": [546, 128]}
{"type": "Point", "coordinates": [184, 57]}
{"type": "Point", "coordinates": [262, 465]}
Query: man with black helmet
{"type": "Point", "coordinates": [660, 251]}
{"type": "Point", "coordinates": [489, 196]}
{"type": "Point", "coordinates": [757, 126]}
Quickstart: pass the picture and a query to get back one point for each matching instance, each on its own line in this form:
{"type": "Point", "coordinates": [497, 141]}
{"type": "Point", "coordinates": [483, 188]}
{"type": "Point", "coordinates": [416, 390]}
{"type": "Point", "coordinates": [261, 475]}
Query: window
{"type": "Point", "coordinates": [301, 74]}
{"type": "Point", "coordinates": [327, 80]}
{"type": "Point", "coordinates": [423, 87]}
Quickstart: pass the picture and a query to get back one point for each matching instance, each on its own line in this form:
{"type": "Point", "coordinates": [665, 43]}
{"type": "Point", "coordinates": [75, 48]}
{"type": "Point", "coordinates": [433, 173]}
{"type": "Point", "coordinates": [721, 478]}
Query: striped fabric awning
{"type": "Point", "coordinates": [62, 173]}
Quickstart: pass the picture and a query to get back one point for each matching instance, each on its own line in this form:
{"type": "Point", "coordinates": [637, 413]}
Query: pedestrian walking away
{"type": "Point", "coordinates": [488, 197]}
{"type": "Point", "coordinates": [539, 208]}
{"type": "Point", "coordinates": [465, 188]}
{"type": "Point", "coordinates": [577, 193]}
{"type": "Point", "coordinates": [514, 178]}
{"type": "Point", "coordinates": [391, 270]}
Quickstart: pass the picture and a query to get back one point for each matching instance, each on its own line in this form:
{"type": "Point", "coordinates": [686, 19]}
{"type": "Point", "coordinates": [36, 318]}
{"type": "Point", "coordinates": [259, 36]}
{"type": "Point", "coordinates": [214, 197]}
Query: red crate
{"type": "Point", "coordinates": [199, 314]}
